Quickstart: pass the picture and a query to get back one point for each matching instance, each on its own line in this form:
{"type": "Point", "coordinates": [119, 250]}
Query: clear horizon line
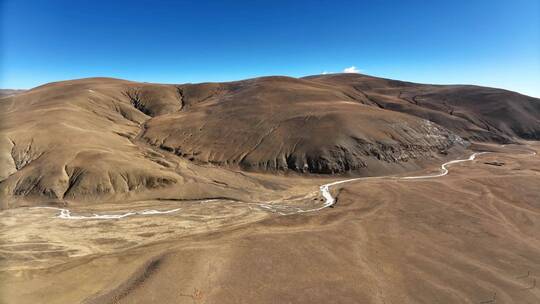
{"type": "Point", "coordinates": [278, 75]}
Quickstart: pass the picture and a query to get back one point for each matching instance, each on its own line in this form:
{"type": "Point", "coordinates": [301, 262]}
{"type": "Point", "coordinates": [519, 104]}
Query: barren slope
{"type": "Point", "coordinates": [468, 237]}
{"type": "Point", "coordinates": [280, 123]}
{"type": "Point", "coordinates": [473, 112]}
{"type": "Point", "coordinates": [103, 139]}
{"type": "Point", "coordinates": [76, 141]}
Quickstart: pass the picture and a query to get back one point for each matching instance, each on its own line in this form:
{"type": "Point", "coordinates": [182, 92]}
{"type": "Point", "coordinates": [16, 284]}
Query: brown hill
{"type": "Point", "coordinates": [77, 141]}
{"type": "Point", "coordinates": [110, 139]}
{"type": "Point", "coordinates": [476, 113]}
{"type": "Point", "coordinates": [280, 123]}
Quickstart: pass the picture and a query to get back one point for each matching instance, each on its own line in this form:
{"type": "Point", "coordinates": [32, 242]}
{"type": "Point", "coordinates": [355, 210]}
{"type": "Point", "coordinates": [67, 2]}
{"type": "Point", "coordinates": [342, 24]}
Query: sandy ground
{"type": "Point", "coordinates": [468, 237]}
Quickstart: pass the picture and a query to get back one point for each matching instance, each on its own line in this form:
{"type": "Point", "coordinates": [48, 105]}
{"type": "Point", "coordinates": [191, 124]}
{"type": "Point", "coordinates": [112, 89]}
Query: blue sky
{"type": "Point", "coordinates": [494, 43]}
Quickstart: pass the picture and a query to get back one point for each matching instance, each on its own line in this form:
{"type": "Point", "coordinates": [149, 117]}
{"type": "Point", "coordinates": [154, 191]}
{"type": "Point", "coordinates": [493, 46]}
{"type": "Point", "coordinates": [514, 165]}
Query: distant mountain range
{"type": "Point", "coordinates": [9, 92]}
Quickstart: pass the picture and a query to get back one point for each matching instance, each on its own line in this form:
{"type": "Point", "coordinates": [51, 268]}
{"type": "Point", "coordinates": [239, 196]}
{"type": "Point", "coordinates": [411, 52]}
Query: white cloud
{"type": "Point", "coordinates": [351, 69]}
{"type": "Point", "coordinates": [325, 72]}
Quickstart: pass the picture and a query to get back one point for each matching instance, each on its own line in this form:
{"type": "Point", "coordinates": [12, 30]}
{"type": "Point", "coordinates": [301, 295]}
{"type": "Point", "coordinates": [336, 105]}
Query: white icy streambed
{"type": "Point", "coordinates": [329, 200]}
{"type": "Point", "coordinates": [67, 215]}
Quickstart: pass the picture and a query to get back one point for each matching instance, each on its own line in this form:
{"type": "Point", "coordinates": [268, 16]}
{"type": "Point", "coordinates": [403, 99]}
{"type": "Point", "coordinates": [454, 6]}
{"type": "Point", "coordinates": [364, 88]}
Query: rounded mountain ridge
{"type": "Point", "coordinates": [115, 139]}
